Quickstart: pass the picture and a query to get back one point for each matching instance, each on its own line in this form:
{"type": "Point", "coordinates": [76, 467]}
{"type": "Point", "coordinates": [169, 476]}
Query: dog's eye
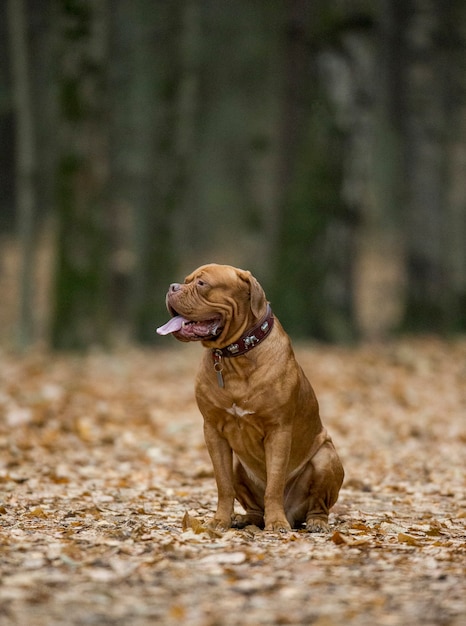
{"type": "Point", "coordinates": [201, 283]}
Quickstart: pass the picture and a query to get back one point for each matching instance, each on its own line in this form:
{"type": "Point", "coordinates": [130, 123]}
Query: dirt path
{"type": "Point", "coordinates": [105, 485]}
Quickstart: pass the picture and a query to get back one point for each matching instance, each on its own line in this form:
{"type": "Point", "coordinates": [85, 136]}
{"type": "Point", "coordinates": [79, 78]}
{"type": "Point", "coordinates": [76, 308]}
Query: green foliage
{"type": "Point", "coordinates": [177, 133]}
{"type": "Point", "coordinates": [81, 304]}
{"type": "Point", "coordinates": [305, 262]}
{"type": "Point", "coordinates": [78, 18]}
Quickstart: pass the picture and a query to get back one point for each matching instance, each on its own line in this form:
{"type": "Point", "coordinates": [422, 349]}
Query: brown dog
{"type": "Point", "coordinates": [261, 418]}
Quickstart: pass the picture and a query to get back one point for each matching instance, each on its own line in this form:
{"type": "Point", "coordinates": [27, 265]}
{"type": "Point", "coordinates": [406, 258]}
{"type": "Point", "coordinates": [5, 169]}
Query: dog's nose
{"type": "Point", "coordinates": [174, 287]}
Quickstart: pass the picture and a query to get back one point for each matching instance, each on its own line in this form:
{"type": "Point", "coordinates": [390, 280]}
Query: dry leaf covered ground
{"type": "Point", "coordinates": [106, 485]}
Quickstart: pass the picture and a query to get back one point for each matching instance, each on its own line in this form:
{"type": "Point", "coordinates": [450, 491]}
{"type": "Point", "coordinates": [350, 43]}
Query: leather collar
{"type": "Point", "coordinates": [251, 338]}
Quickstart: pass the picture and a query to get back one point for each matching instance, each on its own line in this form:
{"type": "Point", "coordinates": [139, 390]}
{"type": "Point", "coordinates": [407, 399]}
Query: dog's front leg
{"type": "Point", "coordinates": [222, 460]}
{"type": "Point", "coordinates": [277, 453]}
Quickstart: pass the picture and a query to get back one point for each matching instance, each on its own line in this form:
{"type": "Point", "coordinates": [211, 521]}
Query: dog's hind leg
{"type": "Point", "coordinates": [326, 479]}
{"type": "Point", "coordinates": [250, 494]}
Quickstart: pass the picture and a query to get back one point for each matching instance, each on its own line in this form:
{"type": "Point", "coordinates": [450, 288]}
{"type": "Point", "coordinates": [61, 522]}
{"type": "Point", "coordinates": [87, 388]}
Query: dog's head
{"type": "Point", "coordinates": [216, 304]}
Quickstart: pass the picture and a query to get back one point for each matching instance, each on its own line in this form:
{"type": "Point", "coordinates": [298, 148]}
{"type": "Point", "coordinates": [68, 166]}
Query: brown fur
{"type": "Point", "coordinates": [263, 432]}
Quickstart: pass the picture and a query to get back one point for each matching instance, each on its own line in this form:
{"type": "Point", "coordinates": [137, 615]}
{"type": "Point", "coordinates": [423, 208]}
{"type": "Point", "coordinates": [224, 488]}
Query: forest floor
{"type": "Point", "coordinates": [105, 485]}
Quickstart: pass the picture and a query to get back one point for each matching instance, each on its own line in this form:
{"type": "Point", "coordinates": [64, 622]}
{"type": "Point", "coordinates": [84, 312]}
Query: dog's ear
{"type": "Point", "coordinates": [256, 293]}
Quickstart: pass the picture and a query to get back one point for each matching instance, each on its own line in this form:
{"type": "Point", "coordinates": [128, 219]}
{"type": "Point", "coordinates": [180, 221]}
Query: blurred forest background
{"type": "Point", "coordinates": [320, 144]}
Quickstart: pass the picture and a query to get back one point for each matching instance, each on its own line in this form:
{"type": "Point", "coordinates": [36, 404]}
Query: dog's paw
{"type": "Point", "coordinates": [316, 525]}
{"type": "Point", "coordinates": [241, 521]}
{"type": "Point", "coordinates": [217, 523]}
{"type": "Point", "coordinates": [278, 526]}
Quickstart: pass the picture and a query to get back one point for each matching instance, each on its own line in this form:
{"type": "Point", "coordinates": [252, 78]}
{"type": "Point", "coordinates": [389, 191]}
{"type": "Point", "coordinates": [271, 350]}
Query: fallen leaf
{"type": "Point", "coordinates": [191, 523]}
{"type": "Point", "coordinates": [225, 558]}
{"type": "Point", "coordinates": [338, 538]}
{"type": "Point", "coordinates": [96, 486]}
{"type": "Point", "coordinates": [37, 512]}
{"type": "Point", "coordinates": [408, 539]}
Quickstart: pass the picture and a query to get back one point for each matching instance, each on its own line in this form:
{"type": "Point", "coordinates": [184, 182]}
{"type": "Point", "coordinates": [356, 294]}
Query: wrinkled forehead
{"type": "Point", "coordinates": [214, 274]}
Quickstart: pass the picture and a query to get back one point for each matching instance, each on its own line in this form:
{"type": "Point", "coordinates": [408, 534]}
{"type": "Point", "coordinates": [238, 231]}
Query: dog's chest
{"type": "Point", "coordinates": [238, 411]}
{"type": "Point", "coordinates": [242, 427]}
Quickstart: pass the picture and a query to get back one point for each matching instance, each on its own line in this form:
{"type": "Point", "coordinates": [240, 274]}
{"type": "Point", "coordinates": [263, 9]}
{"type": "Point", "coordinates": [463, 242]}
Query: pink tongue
{"type": "Point", "coordinates": [172, 326]}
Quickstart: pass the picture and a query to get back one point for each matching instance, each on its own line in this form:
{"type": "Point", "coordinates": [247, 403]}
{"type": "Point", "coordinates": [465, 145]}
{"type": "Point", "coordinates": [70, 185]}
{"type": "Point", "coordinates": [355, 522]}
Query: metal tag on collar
{"type": "Point", "coordinates": [218, 367]}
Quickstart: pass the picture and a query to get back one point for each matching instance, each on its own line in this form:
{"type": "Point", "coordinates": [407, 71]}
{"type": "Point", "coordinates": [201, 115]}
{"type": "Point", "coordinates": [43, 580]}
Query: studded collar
{"type": "Point", "coordinates": [246, 342]}
{"type": "Point", "coordinates": [250, 339]}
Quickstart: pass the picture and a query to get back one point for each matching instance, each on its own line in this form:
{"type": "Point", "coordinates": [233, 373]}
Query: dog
{"type": "Point", "coordinates": [262, 428]}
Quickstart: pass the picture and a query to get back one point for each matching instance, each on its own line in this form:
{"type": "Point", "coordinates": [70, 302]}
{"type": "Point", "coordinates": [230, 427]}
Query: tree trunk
{"type": "Point", "coordinates": [374, 175]}
{"type": "Point", "coordinates": [229, 209]}
{"type": "Point", "coordinates": [454, 222]}
{"type": "Point", "coordinates": [314, 278]}
{"type": "Point", "coordinates": [143, 87]}
{"type": "Point", "coordinates": [435, 157]}
{"type": "Point", "coordinates": [7, 165]}
{"type": "Point", "coordinates": [80, 317]}
{"type": "Point", "coordinates": [25, 166]}
{"type": "Point", "coordinates": [43, 50]}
